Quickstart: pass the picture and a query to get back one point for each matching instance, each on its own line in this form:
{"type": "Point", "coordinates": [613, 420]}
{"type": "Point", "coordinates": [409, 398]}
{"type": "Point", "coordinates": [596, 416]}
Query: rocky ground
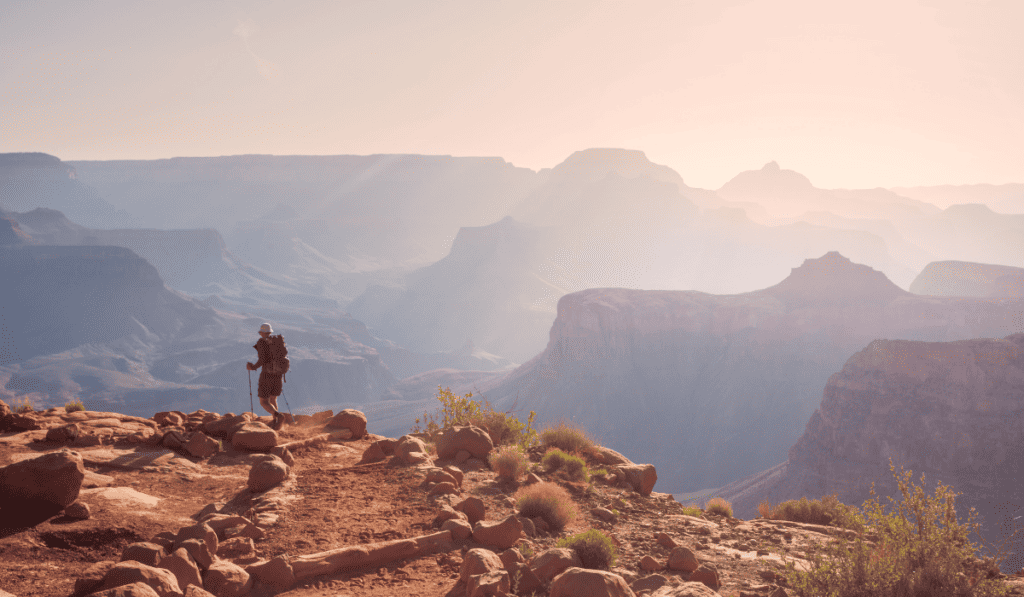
{"type": "Point", "coordinates": [342, 494]}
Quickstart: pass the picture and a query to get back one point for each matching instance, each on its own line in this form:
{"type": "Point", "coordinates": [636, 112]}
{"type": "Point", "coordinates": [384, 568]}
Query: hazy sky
{"type": "Point", "coordinates": [851, 94]}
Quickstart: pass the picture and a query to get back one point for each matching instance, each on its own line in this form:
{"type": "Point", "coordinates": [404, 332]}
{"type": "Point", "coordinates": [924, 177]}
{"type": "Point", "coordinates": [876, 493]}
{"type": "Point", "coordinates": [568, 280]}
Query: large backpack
{"type": "Point", "coordinates": [279, 363]}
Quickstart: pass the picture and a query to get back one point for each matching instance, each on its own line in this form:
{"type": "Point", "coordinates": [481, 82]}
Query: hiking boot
{"type": "Point", "coordinates": [278, 422]}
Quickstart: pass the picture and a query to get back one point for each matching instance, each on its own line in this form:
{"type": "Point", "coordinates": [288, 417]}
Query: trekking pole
{"type": "Point", "coordinates": [288, 405]}
{"type": "Point", "coordinates": [250, 391]}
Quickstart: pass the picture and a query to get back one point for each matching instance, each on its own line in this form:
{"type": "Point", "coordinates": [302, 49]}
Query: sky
{"type": "Point", "coordinates": [851, 94]}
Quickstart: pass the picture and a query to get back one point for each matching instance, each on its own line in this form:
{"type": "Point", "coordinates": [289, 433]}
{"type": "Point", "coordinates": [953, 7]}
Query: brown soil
{"type": "Point", "coordinates": [338, 502]}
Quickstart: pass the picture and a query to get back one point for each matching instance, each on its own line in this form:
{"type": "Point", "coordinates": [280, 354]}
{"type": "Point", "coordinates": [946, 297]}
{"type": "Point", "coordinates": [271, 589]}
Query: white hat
{"type": "Point", "coordinates": [266, 328]}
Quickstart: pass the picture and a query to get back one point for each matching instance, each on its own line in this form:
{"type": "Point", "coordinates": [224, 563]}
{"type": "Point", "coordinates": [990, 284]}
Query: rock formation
{"type": "Point", "coordinates": [710, 388]}
{"type": "Point", "coordinates": [961, 278]}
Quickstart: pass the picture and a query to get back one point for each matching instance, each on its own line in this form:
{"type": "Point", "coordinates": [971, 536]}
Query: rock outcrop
{"type": "Point", "coordinates": [722, 386]}
{"type": "Point", "coordinates": [962, 278]}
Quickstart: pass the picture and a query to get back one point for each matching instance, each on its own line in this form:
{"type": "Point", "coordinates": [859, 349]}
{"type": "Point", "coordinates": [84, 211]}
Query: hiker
{"type": "Point", "coordinates": [270, 384]}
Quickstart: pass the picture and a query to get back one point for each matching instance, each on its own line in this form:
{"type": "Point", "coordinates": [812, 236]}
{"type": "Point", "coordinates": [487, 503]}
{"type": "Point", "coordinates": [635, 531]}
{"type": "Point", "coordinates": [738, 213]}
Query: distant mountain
{"type": "Point", "coordinates": [1004, 198]}
{"type": "Point", "coordinates": [31, 180]}
{"type": "Point", "coordinates": [961, 278]}
{"type": "Point", "coordinates": [948, 410]}
{"type": "Point", "coordinates": [713, 388]}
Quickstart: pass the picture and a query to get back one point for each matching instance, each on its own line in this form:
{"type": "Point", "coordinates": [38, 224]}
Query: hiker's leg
{"type": "Point", "coordinates": [269, 404]}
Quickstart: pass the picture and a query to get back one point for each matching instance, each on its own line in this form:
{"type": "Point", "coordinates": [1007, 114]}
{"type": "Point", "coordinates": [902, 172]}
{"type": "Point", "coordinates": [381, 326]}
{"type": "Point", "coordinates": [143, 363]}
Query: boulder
{"type": "Point", "coordinates": [649, 563]}
{"type": "Point", "coordinates": [195, 591]}
{"type": "Point", "coordinates": [604, 514]}
{"type": "Point", "coordinates": [284, 454]}
{"type": "Point", "coordinates": [706, 574]}
{"type": "Point", "coordinates": [266, 474]}
{"type": "Point", "coordinates": [349, 419]}
{"type": "Point", "coordinates": [650, 583]}
{"type": "Point", "coordinates": [128, 572]}
{"type": "Point", "coordinates": [23, 421]}
{"type": "Point", "coordinates": [552, 562]}
{"type": "Point", "coordinates": [183, 567]}
{"type": "Point", "coordinates": [609, 457]}
{"type": "Point", "coordinates": [460, 529]}
{"type": "Point", "coordinates": [201, 445]}
{"type": "Point", "coordinates": [447, 513]}
{"type": "Point", "coordinates": [146, 553]}
{"type": "Point", "coordinates": [254, 437]}
{"type": "Point", "coordinates": [387, 445]}
{"type": "Point", "coordinates": [199, 550]}
{"type": "Point", "coordinates": [641, 477]}
{"type": "Point", "coordinates": [136, 589]}
{"type": "Point", "coordinates": [529, 529]}
{"type": "Point", "coordinates": [665, 540]}
{"type": "Point", "coordinates": [693, 589]}
{"type": "Point", "coordinates": [576, 582]}
{"type": "Point", "coordinates": [276, 573]}
{"type": "Point", "coordinates": [489, 584]}
{"type": "Point", "coordinates": [683, 558]}
{"type": "Point", "coordinates": [91, 579]}
{"type": "Point", "coordinates": [478, 561]}
{"type": "Point", "coordinates": [510, 557]}
{"type": "Point", "coordinates": [201, 531]}
{"type": "Point", "coordinates": [52, 480]}
{"type": "Point", "coordinates": [501, 535]}
{"type": "Point", "coordinates": [222, 427]}
{"type": "Point", "coordinates": [225, 579]}
{"type": "Point", "coordinates": [236, 548]}
{"type": "Point", "coordinates": [445, 488]}
{"type": "Point", "coordinates": [78, 511]}
{"type": "Point", "coordinates": [4, 409]}
{"type": "Point", "coordinates": [169, 419]}
{"type": "Point", "coordinates": [474, 509]}
{"type": "Point", "coordinates": [437, 475]}
{"type": "Point", "coordinates": [65, 433]}
{"type": "Point", "coordinates": [408, 445]}
{"type": "Point", "coordinates": [372, 453]}
{"type": "Point", "coordinates": [527, 583]}
{"type": "Point", "coordinates": [469, 438]}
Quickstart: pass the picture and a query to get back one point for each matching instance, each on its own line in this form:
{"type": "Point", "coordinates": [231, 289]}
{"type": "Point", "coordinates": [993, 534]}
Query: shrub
{"type": "Point", "coordinates": [692, 510]}
{"type": "Point", "coordinates": [826, 511]}
{"type": "Point", "coordinates": [550, 502]}
{"type": "Point", "coordinates": [594, 548]}
{"type": "Point", "coordinates": [567, 437]}
{"type": "Point", "coordinates": [573, 467]}
{"type": "Point", "coordinates": [504, 428]}
{"type": "Point", "coordinates": [74, 406]}
{"type": "Point", "coordinates": [921, 549]}
{"type": "Point", "coordinates": [25, 406]}
{"type": "Point", "coordinates": [510, 462]}
{"type": "Point", "coordinates": [717, 505]}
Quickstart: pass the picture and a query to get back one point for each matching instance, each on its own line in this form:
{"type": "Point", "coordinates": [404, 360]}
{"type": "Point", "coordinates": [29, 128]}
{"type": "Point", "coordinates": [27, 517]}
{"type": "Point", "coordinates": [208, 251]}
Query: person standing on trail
{"type": "Point", "coordinates": [270, 384]}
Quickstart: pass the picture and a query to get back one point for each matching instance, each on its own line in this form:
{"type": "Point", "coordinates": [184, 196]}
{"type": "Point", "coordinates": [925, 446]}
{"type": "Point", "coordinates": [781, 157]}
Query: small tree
{"type": "Point", "coordinates": [504, 428]}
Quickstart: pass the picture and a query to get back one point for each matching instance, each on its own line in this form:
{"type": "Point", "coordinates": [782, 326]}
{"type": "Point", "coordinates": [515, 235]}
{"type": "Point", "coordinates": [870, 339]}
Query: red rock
{"type": "Point", "coordinates": [575, 582]}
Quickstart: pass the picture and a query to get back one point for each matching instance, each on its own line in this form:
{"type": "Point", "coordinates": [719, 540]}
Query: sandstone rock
{"type": "Point", "coordinates": [447, 513]}
{"type": "Point", "coordinates": [225, 579]}
{"type": "Point", "coordinates": [146, 553]}
{"type": "Point", "coordinates": [445, 488]}
{"type": "Point", "coordinates": [609, 457]}
{"type": "Point", "coordinates": [323, 416]}
{"type": "Point", "coordinates": [372, 453]}
{"type": "Point", "coordinates": [169, 419]}
{"type": "Point", "coordinates": [341, 434]}
{"type": "Point", "coordinates": [201, 445]}
{"type": "Point", "coordinates": [23, 421]}
{"type": "Point", "coordinates": [641, 477]}
{"type": "Point", "coordinates": [510, 557]}
{"type": "Point", "coordinates": [455, 472]}
{"type": "Point", "coordinates": [183, 567]}
{"type": "Point", "coordinates": [78, 511]}
{"type": "Point", "coordinates": [255, 437]}
{"type": "Point", "coordinates": [409, 444]}
{"type": "Point", "coordinates": [236, 548]}
{"type": "Point", "coordinates": [552, 562]}
{"type": "Point", "coordinates": [489, 584]}
{"type": "Point", "coordinates": [91, 578]}
{"type": "Point", "coordinates": [173, 439]}
{"type": "Point", "coordinates": [65, 433]}
{"type": "Point", "coordinates": [502, 535]}
{"type": "Point", "coordinates": [524, 580]}
{"type": "Point", "coordinates": [128, 572]}
{"type": "Point", "coordinates": [266, 474]}
{"type": "Point", "coordinates": [649, 583]}
{"type": "Point", "coordinates": [52, 480]}
{"type": "Point", "coordinates": [4, 409]}
{"type": "Point", "coordinates": [135, 589]}
{"type": "Point", "coordinates": [208, 509]}
{"type": "Point", "coordinates": [478, 561]}
{"type": "Point", "coordinates": [649, 564]}
{"type": "Point", "coordinates": [222, 426]}
{"type": "Point", "coordinates": [604, 514]}
{"type": "Point", "coordinates": [683, 558]}
{"type": "Point", "coordinates": [687, 589]}
{"type": "Point", "coordinates": [528, 527]}
{"type": "Point", "coordinates": [666, 541]}
{"type": "Point", "coordinates": [387, 445]}
{"type": "Point", "coordinates": [195, 591]}
{"type": "Point", "coordinates": [472, 439]}
{"type": "Point", "coordinates": [462, 456]}
{"type": "Point", "coordinates": [474, 509]}
{"type": "Point", "coordinates": [437, 475]}
{"type": "Point", "coordinates": [417, 458]}
{"type": "Point", "coordinates": [460, 529]}
{"type": "Point", "coordinates": [532, 478]}
{"type": "Point", "coordinates": [576, 582]}
{"type": "Point", "coordinates": [349, 419]}
{"type": "Point", "coordinates": [284, 454]}
{"type": "Point", "coordinates": [276, 573]}
{"type": "Point", "coordinates": [706, 574]}
{"type": "Point", "coordinates": [202, 532]}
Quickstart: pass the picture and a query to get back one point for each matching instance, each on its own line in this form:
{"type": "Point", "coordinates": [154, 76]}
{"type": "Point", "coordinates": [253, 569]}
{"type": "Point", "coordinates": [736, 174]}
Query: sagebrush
{"type": "Point", "coordinates": [509, 462]}
{"type": "Point", "coordinates": [717, 505]}
{"type": "Point", "coordinates": [571, 466]}
{"type": "Point", "coordinates": [74, 406]}
{"type": "Point", "coordinates": [594, 548]}
{"type": "Point", "coordinates": [567, 437]}
{"type": "Point", "coordinates": [504, 428]}
{"type": "Point", "coordinates": [548, 501]}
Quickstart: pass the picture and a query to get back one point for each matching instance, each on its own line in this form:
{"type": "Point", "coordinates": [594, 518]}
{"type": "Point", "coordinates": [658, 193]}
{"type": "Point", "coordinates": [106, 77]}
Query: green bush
{"type": "Point", "coordinates": [573, 467]}
{"type": "Point", "coordinates": [550, 502]}
{"type": "Point", "coordinates": [717, 505]}
{"type": "Point", "coordinates": [921, 549]}
{"type": "Point", "coordinates": [692, 510]}
{"type": "Point", "coordinates": [74, 406]}
{"type": "Point", "coordinates": [568, 438]}
{"type": "Point", "coordinates": [826, 511]}
{"type": "Point", "coordinates": [510, 462]}
{"type": "Point", "coordinates": [504, 428]}
{"type": "Point", "coordinates": [594, 548]}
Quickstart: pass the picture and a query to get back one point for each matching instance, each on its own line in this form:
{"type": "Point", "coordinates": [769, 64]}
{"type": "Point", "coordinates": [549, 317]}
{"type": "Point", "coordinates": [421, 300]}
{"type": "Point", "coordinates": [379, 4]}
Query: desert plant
{"type": "Point", "coordinates": [826, 511]}
{"type": "Point", "coordinates": [567, 437]}
{"type": "Point", "coordinates": [550, 502]}
{"type": "Point", "coordinates": [25, 406]}
{"type": "Point", "coordinates": [73, 406]}
{"type": "Point", "coordinates": [594, 548]}
{"type": "Point", "coordinates": [717, 505]}
{"type": "Point", "coordinates": [504, 428]}
{"type": "Point", "coordinates": [692, 510]}
{"type": "Point", "coordinates": [510, 462]}
{"type": "Point", "coordinates": [921, 549]}
{"type": "Point", "coordinates": [572, 467]}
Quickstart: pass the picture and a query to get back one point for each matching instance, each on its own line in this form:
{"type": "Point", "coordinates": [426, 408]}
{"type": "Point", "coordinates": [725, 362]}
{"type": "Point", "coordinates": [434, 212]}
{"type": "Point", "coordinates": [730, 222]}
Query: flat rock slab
{"type": "Point", "coordinates": [139, 459]}
{"type": "Point", "coordinates": [124, 496]}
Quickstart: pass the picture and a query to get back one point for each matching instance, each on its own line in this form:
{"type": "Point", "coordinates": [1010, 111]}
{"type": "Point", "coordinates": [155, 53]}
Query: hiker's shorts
{"type": "Point", "coordinates": [270, 385]}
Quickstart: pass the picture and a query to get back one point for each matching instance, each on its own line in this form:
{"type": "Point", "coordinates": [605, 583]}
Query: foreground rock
{"type": "Point", "coordinates": [52, 480]}
{"type": "Point", "coordinates": [576, 582]}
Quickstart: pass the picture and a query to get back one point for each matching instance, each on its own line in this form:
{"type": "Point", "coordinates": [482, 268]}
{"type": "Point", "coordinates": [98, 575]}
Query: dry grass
{"type": "Point", "coordinates": [568, 438]}
{"type": "Point", "coordinates": [572, 467]}
{"type": "Point", "coordinates": [550, 502]}
{"type": "Point", "coordinates": [509, 462]}
{"type": "Point", "coordinates": [595, 549]}
{"type": "Point", "coordinates": [717, 505]}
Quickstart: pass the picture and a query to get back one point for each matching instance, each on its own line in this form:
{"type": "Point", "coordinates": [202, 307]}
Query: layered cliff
{"type": "Point", "coordinates": [962, 278]}
{"type": "Point", "coordinates": [711, 388]}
